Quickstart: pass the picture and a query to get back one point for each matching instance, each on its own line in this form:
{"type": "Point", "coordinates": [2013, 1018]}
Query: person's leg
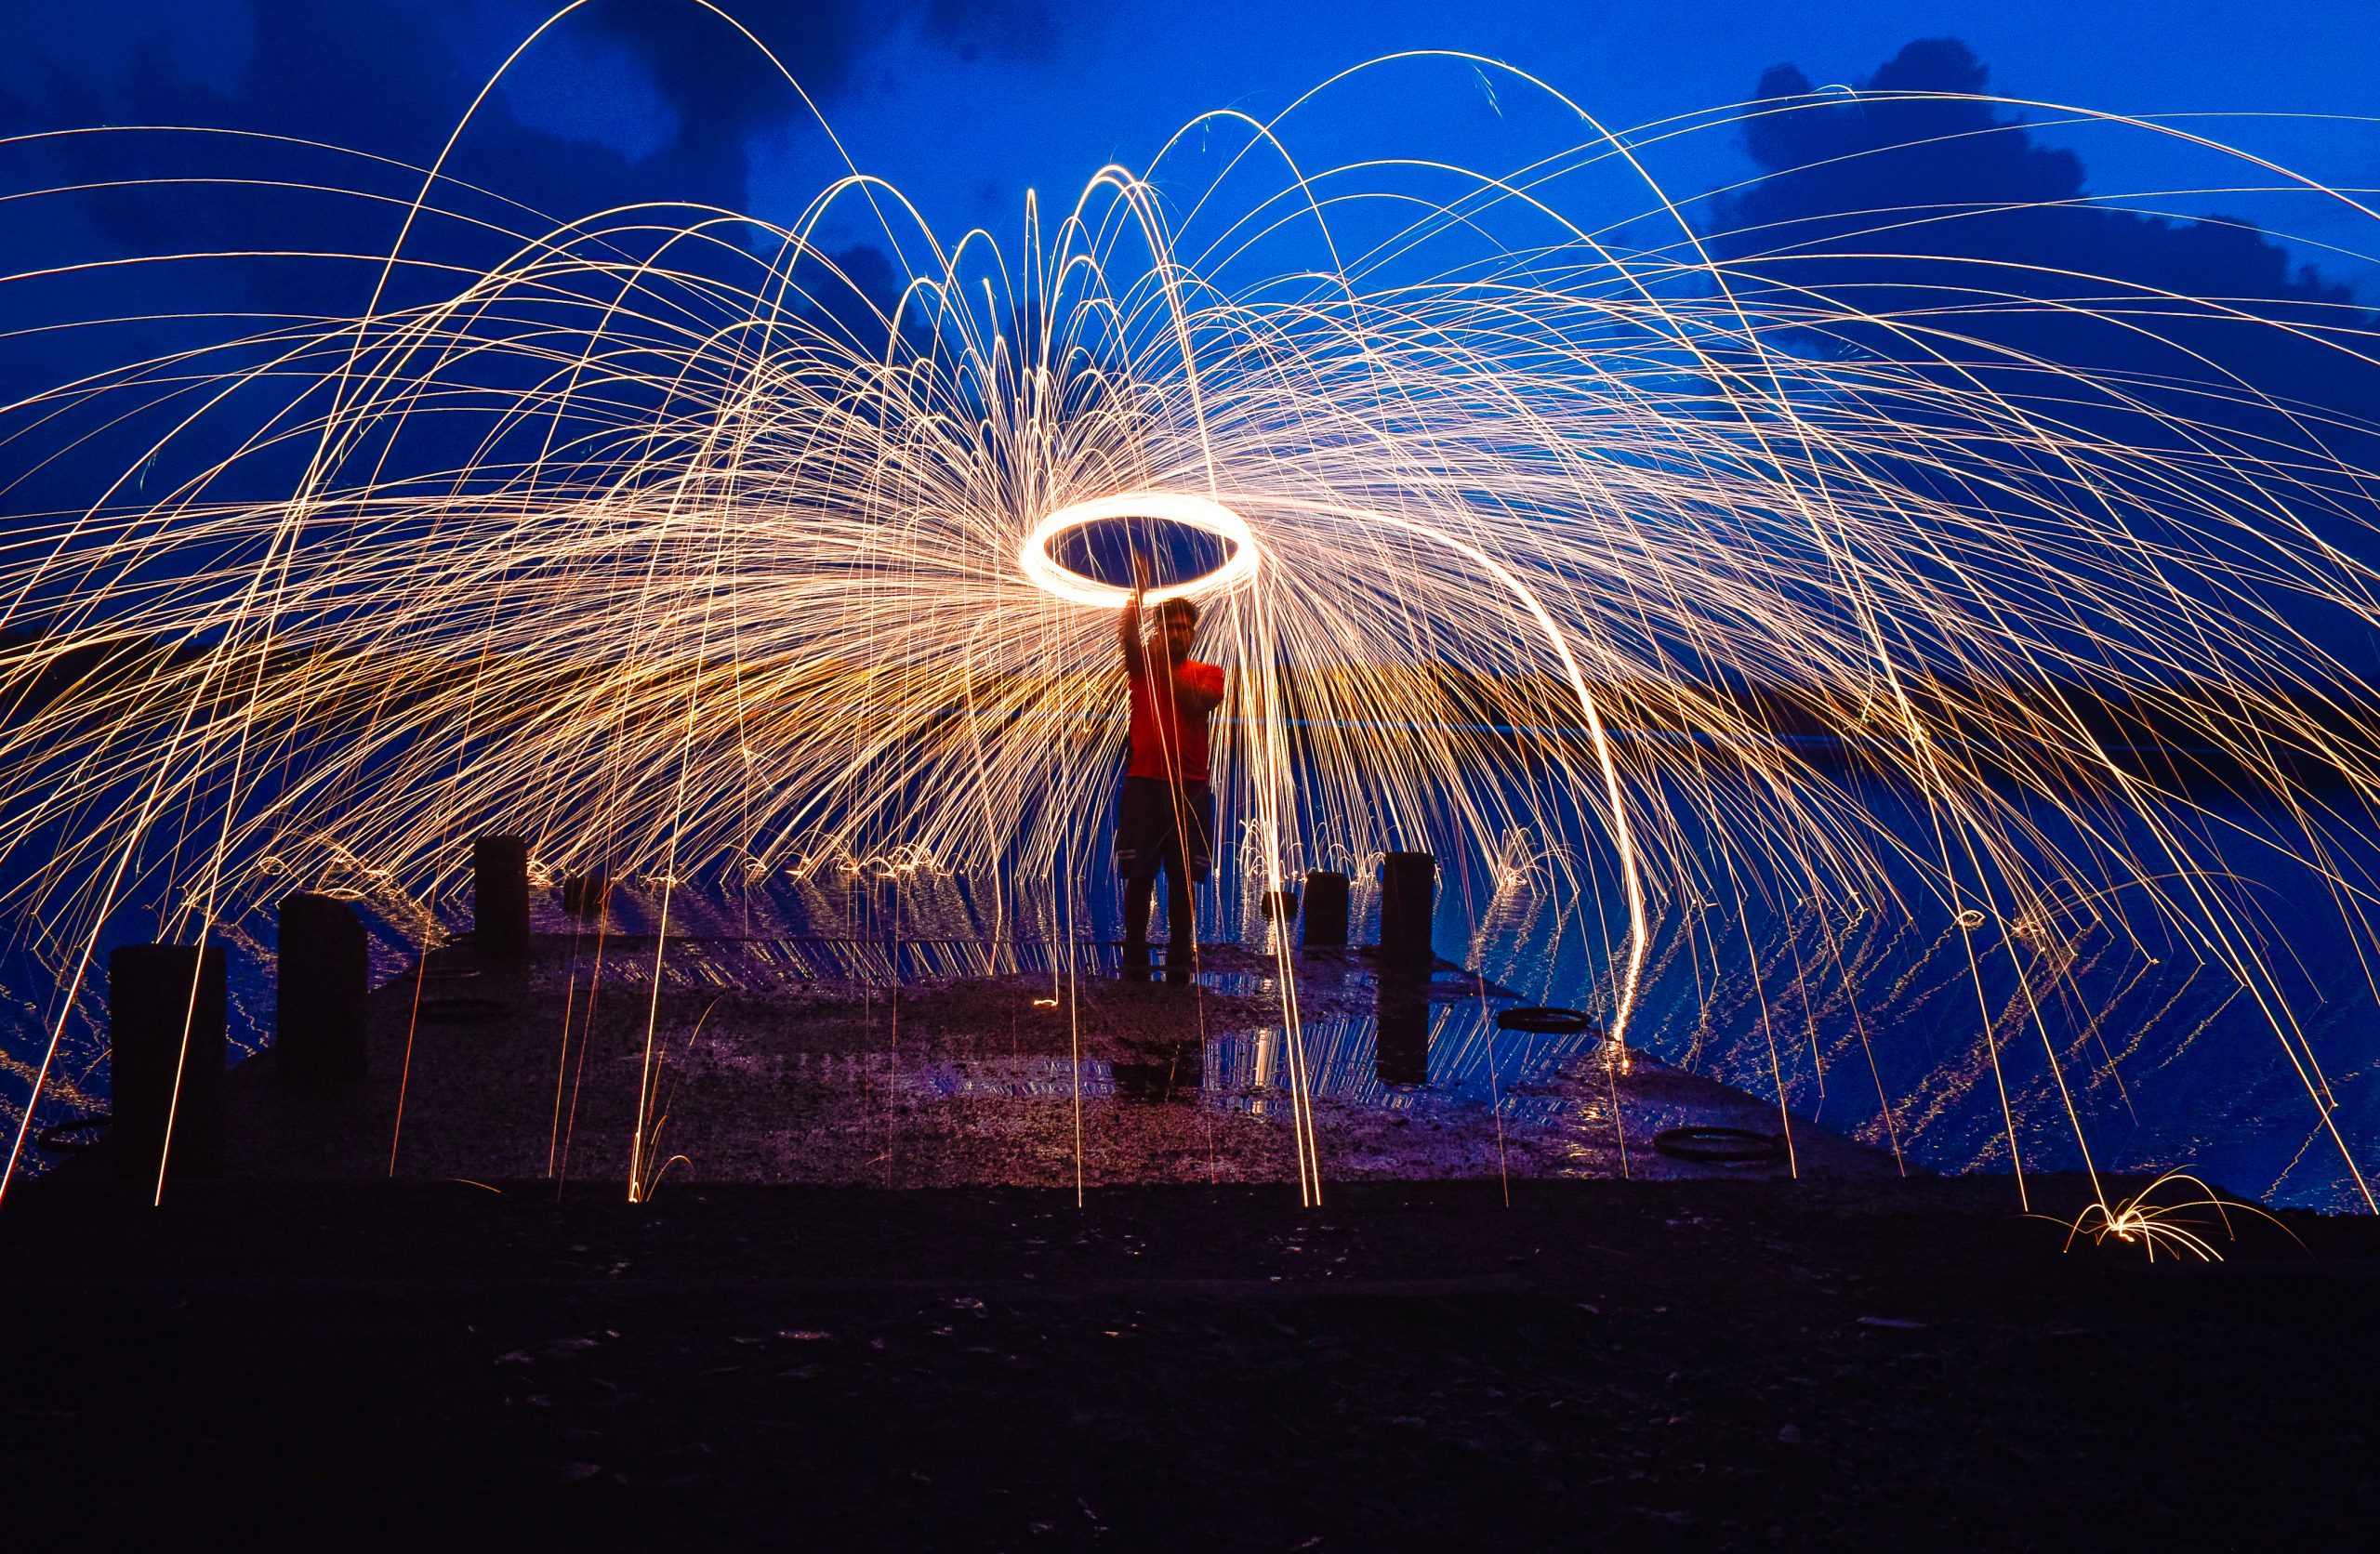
{"type": "Point", "coordinates": [1181, 956]}
{"type": "Point", "coordinates": [1139, 821]}
{"type": "Point", "coordinates": [1181, 916]}
{"type": "Point", "coordinates": [1187, 861]}
{"type": "Point", "coordinates": [1138, 897]}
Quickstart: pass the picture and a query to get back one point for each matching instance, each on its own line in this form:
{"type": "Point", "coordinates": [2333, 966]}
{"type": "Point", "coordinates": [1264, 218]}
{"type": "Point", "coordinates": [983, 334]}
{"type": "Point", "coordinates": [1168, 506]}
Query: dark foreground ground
{"type": "Point", "coordinates": [1686, 1365]}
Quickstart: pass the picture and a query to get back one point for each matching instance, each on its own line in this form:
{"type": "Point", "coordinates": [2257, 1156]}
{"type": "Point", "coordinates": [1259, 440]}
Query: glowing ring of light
{"type": "Point", "coordinates": [1197, 512]}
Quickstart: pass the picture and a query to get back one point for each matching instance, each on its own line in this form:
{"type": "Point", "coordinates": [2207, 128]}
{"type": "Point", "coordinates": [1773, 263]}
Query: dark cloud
{"type": "Point", "coordinates": [1950, 213]}
{"type": "Point", "coordinates": [1946, 217]}
{"type": "Point", "coordinates": [1007, 29]}
{"type": "Point", "coordinates": [389, 79]}
{"type": "Point", "coordinates": [724, 93]}
{"type": "Point", "coordinates": [393, 79]}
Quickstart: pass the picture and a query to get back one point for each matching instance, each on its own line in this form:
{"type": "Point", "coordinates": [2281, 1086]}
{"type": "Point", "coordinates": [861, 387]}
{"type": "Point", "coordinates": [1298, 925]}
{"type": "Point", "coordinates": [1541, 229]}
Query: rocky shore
{"type": "Point", "coordinates": [1014, 1263]}
{"type": "Point", "coordinates": [1679, 1364]}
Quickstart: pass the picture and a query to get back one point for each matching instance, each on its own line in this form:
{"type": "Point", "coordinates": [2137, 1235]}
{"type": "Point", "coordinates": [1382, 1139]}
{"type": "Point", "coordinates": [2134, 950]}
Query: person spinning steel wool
{"type": "Point", "coordinates": [1165, 815]}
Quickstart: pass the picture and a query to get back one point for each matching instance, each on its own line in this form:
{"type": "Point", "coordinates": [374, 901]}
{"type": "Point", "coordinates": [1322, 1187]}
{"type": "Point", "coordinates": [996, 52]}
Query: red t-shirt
{"type": "Point", "coordinates": [1166, 744]}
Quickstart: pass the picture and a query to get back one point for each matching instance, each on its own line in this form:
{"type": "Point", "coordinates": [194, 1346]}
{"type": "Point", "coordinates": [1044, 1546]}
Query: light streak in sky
{"type": "Point", "coordinates": [664, 540]}
{"type": "Point", "coordinates": [1149, 508]}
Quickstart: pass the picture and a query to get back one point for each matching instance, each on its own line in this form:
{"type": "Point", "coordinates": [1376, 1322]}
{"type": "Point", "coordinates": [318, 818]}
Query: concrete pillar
{"type": "Point", "coordinates": [1409, 883]}
{"type": "Point", "coordinates": [586, 894]}
{"type": "Point", "coordinates": [500, 897]}
{"type": "Point", "coordinates": [165, 1015]}
{"type": "Point", "coordinates": [1326, 910]}
{"type": "Point", "coordinates": [325, 977]}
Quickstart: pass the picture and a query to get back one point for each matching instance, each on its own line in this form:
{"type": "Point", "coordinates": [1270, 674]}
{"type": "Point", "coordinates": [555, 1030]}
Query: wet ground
{"type": "Point", "coordinates": [793, 1060]}
{"type": "Point", "coordinates": [1018, 1262]}
{"type": "Point", "coordinates": [1878, 1026]}
{"type": "Point", "coordinates": [1689, 1365]}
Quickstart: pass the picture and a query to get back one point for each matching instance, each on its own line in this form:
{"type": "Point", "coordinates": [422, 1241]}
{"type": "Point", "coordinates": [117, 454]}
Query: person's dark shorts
{"type": "Point", "coordinates": [1153, 816]}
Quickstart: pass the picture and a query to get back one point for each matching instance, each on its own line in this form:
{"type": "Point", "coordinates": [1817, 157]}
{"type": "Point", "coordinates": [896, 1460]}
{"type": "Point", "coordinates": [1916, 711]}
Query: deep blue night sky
{"type": "Point", "coordinates": [965, 103]}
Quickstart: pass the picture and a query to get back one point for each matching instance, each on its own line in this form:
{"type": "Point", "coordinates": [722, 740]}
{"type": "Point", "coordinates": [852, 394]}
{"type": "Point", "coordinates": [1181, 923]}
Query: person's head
{"type": "Point", "coordinates": [1177, 621]}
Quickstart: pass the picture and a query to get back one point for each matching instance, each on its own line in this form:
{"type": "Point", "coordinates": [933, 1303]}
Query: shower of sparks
{"type": "Point", "coordinates": [2176, 1228]}
{"type": "Point", "coordinates": [665, 545]}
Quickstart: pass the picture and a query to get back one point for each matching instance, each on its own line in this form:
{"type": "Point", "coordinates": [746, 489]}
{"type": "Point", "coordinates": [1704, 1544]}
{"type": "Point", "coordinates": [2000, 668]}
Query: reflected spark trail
{"type": "Point", "coordinates": [673, 543]}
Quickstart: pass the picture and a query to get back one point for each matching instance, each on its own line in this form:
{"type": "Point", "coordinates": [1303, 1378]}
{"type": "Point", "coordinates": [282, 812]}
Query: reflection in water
{"type": "Point", "coordinates": [1174, 1074]}
{"type": "Point", "coordinates": [1402, 1048]}
{"type": "Point", "coordinates": [1402, 1015]}
{"type": "Point", "coordinates": [1870, 1018]}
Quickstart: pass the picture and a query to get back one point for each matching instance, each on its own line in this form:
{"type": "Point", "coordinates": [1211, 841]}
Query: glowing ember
{"type": "Point", "coordinates": [1196, 512]}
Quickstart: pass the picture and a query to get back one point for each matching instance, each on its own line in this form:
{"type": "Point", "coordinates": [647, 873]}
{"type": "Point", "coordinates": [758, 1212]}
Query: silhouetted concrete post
{"type": "Point", "coordinates": [1326, 910]}
{"type": "Point", "coordinates": [322, 981]}
{"type": "Point", "coordinates": [587, 894]}
{"type": "Point", "coordinates": [500, 897]}
{"type": "Point", "coordinates": [165, 1017]}
{"type": "Point", "coordinates": [1409, 883]}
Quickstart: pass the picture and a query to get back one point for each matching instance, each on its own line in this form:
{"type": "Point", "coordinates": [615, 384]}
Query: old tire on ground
{"type": "Point", "coordinates": [60, 1138]}
{"type": "Point", "coordinates": [1719, 1146]}
{"type": "Point", "coordinates": [1542, 1021]}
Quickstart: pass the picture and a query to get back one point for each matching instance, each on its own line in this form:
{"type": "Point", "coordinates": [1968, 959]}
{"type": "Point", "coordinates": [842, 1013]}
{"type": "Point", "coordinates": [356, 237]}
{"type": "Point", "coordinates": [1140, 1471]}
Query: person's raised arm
{"type": "Point", "coordinates": [1127, 623]}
